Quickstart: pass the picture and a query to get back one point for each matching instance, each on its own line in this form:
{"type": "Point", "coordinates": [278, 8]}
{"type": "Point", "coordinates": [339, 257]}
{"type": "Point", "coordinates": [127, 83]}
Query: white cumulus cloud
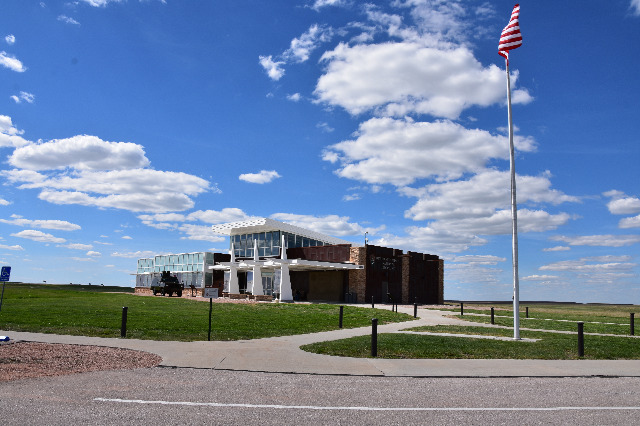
{"type": "Point", "coordinates": [88, 171]}
{"type": "Point", "coordinates": [9, 134]}
{"type": "Point", "coordinates": [274, 69]}
{"type": "Point", "coordinates": [83, 152]}
{"type": "Point", "coordinates": [24, 96]}
{"type": "Point", "coordinates": [388, 150]}
{"type": "Point", "coordinates": [39, 236]}
{"type": "Point", "coordinates": [598, 240]}
{"type": "Point", "coordinates": [264, 176]}
{"type": "Point", "coordinates": [330, 225]}
{"type": "Point", "coordinates": [407, 77]}
{"type": "Point", "coordinates": [11, 62]}
{"type": "Point", "coordinates": [61, 225]}
{"type": "Point", "coordinates": [68, 20]}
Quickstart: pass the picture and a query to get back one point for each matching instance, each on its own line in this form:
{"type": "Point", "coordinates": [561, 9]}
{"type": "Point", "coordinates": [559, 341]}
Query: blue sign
{"type": "Point", "coordinates": [6, 273]}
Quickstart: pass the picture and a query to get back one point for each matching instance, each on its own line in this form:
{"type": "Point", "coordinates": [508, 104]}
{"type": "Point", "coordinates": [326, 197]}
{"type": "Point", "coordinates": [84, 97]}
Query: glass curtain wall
{"type": "Point", "coordinates": [268, 243]}
{"type": "Point", "coordinates": [190, 269]}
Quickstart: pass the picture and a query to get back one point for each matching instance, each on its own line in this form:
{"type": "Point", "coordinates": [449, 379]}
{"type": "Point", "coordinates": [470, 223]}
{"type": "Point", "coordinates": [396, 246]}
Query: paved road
{"type": "Point", "coordinates": [160, 396]}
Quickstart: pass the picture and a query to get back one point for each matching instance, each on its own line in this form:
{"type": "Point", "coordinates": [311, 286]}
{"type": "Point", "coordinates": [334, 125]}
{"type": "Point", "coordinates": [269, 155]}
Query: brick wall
{"type": "Point", "coordinates": [405, 278]}
{"type": "Point", "coordinates": [358, 278]}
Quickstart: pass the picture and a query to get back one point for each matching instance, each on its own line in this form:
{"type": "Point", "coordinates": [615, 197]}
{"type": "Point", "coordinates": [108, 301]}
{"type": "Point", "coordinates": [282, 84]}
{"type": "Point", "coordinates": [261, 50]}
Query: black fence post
{"type": "Point", "coordinates": [415, 310]}
{"type": "Point", "coordinates": [632, 323]}
{"type": "Point", "coordinates": [210, 310]}
{"type": "Point", "coordinates": [527, 311]}
{"type": "Point", "coordinates": [123, 327]}
{"type": "Point", "coordinates": [580, 338]}
{"type": "Point", "coordinates": [341, 314]}
{"type": "Point", "coordinates": [461, 308]}
{"type": "Point", "coordinates": [372, 305]}
{"type": "Point", "coordinates": [374, 337]}
{"type": "Point", "coordinates": [492, 317]}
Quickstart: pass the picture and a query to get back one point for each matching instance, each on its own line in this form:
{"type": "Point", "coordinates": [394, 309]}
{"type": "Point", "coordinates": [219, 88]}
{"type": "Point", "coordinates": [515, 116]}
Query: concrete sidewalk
{"type": "Point", "coordinates": [283, 355]}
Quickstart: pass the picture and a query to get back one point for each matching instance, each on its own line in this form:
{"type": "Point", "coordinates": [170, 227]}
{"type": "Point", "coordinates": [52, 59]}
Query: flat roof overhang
{"type": "Point", "coordinates": [294, 265]}
{"type": "Point", "coordinates": [263, 224]}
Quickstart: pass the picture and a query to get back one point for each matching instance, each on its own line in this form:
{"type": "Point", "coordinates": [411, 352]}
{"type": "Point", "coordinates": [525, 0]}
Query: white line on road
{"type": "Point", "coordinates": [315, 407]}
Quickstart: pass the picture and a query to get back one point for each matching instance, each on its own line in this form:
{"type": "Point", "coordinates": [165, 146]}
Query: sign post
{"type": "Point", "coordinates": [211, 293]}
{"type": "Point", "coordinates": [4, 277]}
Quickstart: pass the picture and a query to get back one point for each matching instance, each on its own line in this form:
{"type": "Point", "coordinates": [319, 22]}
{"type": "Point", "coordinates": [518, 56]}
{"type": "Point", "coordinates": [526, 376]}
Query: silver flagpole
{"type": "Point", "coordinates": [514, 217]}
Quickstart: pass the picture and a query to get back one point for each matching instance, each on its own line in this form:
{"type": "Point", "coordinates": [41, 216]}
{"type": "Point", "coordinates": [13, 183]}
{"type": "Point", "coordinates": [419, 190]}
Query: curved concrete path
{"type": "Point", "coordinates": [283, 355]}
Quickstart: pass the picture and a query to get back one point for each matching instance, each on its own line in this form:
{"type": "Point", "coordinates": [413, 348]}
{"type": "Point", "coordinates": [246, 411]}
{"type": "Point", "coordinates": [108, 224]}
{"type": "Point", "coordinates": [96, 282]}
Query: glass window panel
{"type": "Point", "coordinates": [291, 240]}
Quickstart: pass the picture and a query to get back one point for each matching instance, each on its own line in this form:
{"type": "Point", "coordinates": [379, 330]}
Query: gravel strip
{"type": "Point", "coordinates": [20, 360]}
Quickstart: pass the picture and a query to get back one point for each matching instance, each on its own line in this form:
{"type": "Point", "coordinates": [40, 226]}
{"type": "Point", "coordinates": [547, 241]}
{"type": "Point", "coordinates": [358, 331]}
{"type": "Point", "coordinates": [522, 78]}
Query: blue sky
{"type": "Point", "coordinates": [128, 128]}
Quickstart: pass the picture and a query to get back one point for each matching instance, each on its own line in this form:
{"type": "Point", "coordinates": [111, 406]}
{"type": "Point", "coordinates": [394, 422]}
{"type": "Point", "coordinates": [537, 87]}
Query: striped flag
{"type": "Point", "coordinates": [510, 37]}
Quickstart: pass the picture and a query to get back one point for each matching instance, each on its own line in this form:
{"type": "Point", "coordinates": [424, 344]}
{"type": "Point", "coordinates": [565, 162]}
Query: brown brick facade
{"type": "Point", "coordinates": [389, 275]}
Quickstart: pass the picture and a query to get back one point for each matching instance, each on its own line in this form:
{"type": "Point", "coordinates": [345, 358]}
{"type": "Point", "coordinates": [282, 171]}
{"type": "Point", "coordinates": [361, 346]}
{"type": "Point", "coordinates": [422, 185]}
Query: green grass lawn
{"type": "Point", "coordinates": [93, 311]}
{"type": "Point", "coordinates": [550, 345]}
{"type": "Point", "coordinates": [602, 319]}
{"type": "Point", "coordinates": [557, 324]}
{"type": "Point", "coordinates": [561, 317]}
{"type": "Point", "coordinates": [97, 311]}
{"type": "Point", "coordinates": [568, 311]}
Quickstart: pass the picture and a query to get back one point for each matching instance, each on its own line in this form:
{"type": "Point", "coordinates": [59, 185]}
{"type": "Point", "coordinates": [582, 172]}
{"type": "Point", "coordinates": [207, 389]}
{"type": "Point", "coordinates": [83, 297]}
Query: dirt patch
{"type": "Point", "coordinates": [20, 360]}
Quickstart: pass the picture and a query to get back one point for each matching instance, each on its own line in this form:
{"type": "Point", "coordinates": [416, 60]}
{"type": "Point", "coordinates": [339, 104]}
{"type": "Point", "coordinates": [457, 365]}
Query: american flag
{"type": "Point", "coordinates": [510, 37]}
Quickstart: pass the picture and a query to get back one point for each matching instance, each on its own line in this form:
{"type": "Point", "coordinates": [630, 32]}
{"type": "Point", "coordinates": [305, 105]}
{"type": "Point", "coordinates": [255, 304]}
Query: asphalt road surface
{"type": "Point", "coordinates": [161, 396]}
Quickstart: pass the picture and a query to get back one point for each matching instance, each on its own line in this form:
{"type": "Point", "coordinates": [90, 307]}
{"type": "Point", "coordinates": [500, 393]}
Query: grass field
{"type": "Point", "coordinates": [550, 346]}
{"type": "Point", "coordinates": [602, 319]}
{"type": "Point", "coordinates": [607, 319]}
{"type": "Point", "coordinates": [94, 311]}
{"type": "Point", "coordinates": [97, 311]}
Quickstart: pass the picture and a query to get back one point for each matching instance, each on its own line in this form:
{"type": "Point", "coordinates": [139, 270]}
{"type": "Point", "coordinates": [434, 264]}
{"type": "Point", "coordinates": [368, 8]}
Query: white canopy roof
{"type": "Point", "coordinates": [294, 264]}
{"type": "Point", "coordinates": [263, 224]}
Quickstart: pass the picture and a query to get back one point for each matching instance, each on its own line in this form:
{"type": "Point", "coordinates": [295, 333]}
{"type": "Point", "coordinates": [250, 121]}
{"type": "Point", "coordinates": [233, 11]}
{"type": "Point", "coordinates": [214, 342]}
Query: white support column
{"type": "Point", "coordinates": [257, 289]}
{"type": "Point", "coordinates": [283, 247]}
{"type": "Point", "coordinates": [234, 288]}
{"type": "Point", "coordinates": [257, 274]}
{"type": "Point", "coordinates": [286, 295]}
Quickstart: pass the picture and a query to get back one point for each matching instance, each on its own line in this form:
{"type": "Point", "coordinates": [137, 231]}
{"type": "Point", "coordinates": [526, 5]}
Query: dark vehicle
{"type": "Point", "coordinates": [168, 285]}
